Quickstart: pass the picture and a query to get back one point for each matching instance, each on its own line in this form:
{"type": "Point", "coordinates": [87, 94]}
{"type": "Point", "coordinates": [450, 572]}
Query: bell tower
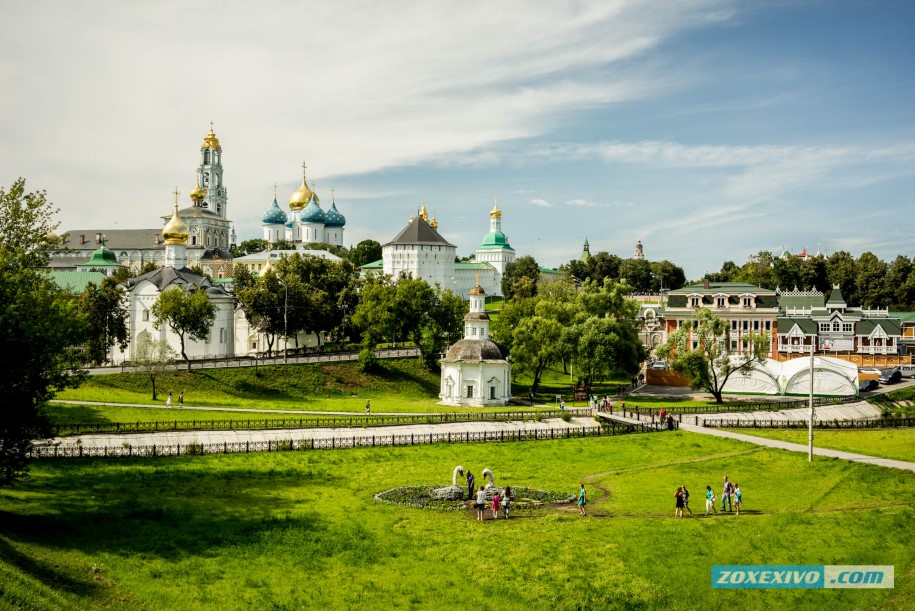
{"type": "Point", "coordinates": [210, 174]}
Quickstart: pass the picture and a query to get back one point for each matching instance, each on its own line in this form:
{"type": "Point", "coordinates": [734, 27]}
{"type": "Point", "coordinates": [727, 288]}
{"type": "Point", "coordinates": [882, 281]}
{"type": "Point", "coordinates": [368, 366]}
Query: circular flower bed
{"type": "Point", "coordinates": [421, 496]}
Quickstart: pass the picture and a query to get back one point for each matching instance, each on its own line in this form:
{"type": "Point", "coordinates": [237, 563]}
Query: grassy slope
{"type": "Point", "coordinates": [896, 402]}
{"type": "Point", "coordinates": [886, 443]}
{"type": "Point", "coordinates": [301, 529]}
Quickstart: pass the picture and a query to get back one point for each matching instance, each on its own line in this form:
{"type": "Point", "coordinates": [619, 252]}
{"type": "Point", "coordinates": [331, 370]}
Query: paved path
{"type": "Point", "coordinates": [797, 447]}
{"type": "Point", "coordinates": [848, 411]}
{"type": "Point", "coordinates": [111, 440]}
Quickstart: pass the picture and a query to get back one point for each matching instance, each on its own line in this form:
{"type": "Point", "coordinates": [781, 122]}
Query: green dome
{"type": "Point", "coordinates": [496, 239]}
{"type": "Point", "coordinates": [102, 257]}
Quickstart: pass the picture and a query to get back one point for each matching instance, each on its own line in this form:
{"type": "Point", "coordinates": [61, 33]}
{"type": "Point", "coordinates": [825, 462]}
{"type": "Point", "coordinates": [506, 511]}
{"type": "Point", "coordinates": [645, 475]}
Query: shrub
{"type": "Point", "coordinates": [566, 416]}
{"type": "Point", "coordinates": [367, 360]}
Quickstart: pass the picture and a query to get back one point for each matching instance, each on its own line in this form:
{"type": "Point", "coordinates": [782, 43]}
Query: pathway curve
{"type": "Point", "coordinates": [797, 447]}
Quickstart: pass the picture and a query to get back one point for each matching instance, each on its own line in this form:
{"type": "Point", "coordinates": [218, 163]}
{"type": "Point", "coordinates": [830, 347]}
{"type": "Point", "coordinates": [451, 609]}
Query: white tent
{"type": "Point", "coordinates": [832, 377]}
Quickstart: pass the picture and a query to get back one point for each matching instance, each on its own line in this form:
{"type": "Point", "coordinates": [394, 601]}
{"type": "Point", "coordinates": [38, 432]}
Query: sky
{"type": "Point", "coordinates": [709, 130]}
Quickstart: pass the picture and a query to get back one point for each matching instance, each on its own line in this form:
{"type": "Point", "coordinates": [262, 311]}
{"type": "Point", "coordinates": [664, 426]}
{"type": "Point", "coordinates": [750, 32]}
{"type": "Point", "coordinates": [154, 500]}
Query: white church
{"type": "Point", "coordinates": [474, 372]}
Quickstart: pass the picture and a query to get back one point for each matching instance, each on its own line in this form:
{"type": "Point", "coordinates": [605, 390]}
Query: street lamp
{"type": "Point", "coordinates": [285, 331]}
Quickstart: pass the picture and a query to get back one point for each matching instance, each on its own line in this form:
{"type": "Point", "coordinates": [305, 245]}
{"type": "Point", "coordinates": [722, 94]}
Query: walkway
{"type": "Point", "coordinates": [797, 447]}
{"type": "Point", "coordinates": [184, 438]}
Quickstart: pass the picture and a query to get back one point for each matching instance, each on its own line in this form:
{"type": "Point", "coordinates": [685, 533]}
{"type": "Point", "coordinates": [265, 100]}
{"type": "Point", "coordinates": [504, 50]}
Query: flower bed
{"type": "Point", "coordinates": [421, 497]}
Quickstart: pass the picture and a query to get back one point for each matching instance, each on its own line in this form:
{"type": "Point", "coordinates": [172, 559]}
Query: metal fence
{"type": "Point", "coordinates": [304, 422]}
{"type": "Point", "coordinates": [354, 441]}
{"type": "Point", "coordinates": [767, 406]}
{"type": "Point", "coordinates": [871, 423]}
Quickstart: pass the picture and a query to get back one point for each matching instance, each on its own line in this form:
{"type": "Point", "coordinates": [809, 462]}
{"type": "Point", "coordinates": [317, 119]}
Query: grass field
{"type": "Point", "coordinates": [296, 530]}
{"type": "Point", "coordinates": [898, 444]}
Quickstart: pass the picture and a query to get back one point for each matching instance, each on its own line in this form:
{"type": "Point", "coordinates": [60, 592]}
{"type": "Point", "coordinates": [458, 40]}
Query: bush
{"type": "Point", "coordinates": [367, 360]}
{"type": "Point", "coordinates": [566, 416]}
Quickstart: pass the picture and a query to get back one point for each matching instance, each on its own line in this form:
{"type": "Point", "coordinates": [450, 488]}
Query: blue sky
{"type": "Point", "coordinates": [708, 130]}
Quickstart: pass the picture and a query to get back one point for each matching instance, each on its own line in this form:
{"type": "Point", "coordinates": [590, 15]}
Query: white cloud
{"type": "Point", "coordinates": [542, 203]}
{"type": "Point", "coordinates": [585, 203]}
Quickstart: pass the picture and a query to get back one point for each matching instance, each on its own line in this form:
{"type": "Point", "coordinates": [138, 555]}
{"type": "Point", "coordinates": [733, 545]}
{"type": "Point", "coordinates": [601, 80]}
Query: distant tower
{"type": "Point", "coordinates": [495, 248]}
{"type": "Point", "coordinates": [585, 252]}
{"type": "Point", "coordinates": [210, 174]}
{"type": "Point", "coordinates": [639, 253]}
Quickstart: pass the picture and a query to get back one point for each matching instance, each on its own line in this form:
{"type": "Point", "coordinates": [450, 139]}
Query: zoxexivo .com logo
{"type": "Point", "coordinates": [809, 576]}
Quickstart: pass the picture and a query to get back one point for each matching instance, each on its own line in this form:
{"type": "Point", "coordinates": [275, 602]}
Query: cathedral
{"type": "Point", "coordinates": [307, 222]}
{"type": "Point", "coordinates": [210, 232]}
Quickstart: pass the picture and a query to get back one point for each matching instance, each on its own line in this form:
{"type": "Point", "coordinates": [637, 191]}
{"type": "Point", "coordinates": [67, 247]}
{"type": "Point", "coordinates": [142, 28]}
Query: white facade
{"type": "Point", "coordinates": [249, 341]}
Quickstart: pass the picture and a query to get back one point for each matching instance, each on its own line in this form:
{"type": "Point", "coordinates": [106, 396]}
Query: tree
{"type": "Point", "coordinates": [188, 313]}
{"type": "Point", "coordinates": [603, 346]}
{"type": "Point", "coordinates": [148, 266]}
{"type": "Point", "coordinates": [665, 274]}
{"type": "Point", "coordinates": [39, 325]}
{"type": "Point", "coordinates": [535, 344]}
{"type": "Point", "coordinates": [709, 364]}
{"type": "Point", "coordinates": [249, 247]}
{"type": "Point", "coordinates": [520, 278]}
{"type": "Point", "coordinates": [636, 273]}
{"type": "Point", "coordinates": [103, 310]}
{"type": "Point", "coordinates": [153, 357]}
{"type": "Point", "coordinates": [366, 251]}
{"type": "Point", "coordinates": [262, 300]}
{"type": "Point", "coordinates": [840, 270]}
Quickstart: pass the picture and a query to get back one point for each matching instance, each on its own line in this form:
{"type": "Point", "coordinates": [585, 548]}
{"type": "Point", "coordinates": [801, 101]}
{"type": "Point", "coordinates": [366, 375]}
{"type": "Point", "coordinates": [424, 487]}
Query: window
{"type": "Point", "coordinates": [733, 344]}
{"type": "Point", "coordinates": [222, 336]}
{"type": "Point", "coordinates": [694, 302]}
{"type": "Point", "coordinates": [835, 325]}
{"type": "Point", "coordinates": [746, 325]}
{"type": "Point", "coordinates": [768, 325]}
{"type": "Point", "coordinates": [733, 325]}
{"type": "Point", "coordinates": [470, 392]}
{"type": "Point", "coordinates": [847, 327]}
{"type": "Point", "coordinates": [695, 345]}
{"type": "Point", "coordinates": [492, 392]}
{"type": "Point", "coordinates": [145, 314]}
{"type": "Point", "coordinates": [745, 301]}
{"type": "Point", "coordinates": [824, 327]}
{"type": "Point", "coordinates": [719, 302]}
{"type": "Point", "coordinates": [473, 331]}
{"type": "Point", "coordinates": [756, 325]}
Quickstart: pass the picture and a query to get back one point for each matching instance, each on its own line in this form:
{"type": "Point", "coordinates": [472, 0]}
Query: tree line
{"type": "Point", "coordinates": [866, 281]}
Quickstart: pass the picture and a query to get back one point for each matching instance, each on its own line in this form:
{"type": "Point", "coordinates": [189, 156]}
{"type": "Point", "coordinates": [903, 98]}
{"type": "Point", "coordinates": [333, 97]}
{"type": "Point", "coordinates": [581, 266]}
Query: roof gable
{"type": "Point", "coordinates": [419, 231]}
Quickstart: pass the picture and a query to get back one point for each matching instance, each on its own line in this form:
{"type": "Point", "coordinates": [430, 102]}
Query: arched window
{"type": "Point", "coordinates": [206, 157]}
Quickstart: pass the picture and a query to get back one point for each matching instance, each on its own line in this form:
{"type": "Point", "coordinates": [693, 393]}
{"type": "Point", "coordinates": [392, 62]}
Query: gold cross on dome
{"type": "Point", "coordinates": [177, 193]}
{"type": "Point", "coordinates": [304, 170]}
{"type": "Point", "coordinates": [274, 190]}
{"type": "Point", "coordinates": [478, 279]}
{"type": "Point", "coordinates": [333, 193]}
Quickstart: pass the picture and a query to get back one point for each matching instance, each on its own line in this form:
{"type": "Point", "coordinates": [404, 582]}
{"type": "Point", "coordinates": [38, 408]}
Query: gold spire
{"type": "Point", "coordinates": [495, 212]}
{"type": "Point", "coordinates": [176, 230]}
{"type": "Point", "coordinates": [302, 195]}
{"type": "Point", "coordinates": [211, 141]}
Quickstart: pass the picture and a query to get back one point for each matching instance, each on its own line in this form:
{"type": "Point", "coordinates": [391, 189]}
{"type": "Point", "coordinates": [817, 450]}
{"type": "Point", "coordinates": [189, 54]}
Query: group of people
{"type": "Point", "coordinates": [168, 402]}
{"type": "Point", "coordinates": [499, 501]}
{"type": "Point", "coordinates": [730, 495]}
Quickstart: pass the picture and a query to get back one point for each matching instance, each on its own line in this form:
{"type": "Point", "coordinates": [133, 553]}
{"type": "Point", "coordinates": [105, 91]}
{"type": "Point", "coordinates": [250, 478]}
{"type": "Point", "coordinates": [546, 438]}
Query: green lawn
{"type": "Point", "coordinates": [301, 530]}
{"type": "Point", "coordinates": [885, 443]}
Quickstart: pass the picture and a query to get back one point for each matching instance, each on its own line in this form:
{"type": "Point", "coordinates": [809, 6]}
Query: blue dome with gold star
{"type": "Point", "coordinates": [333, 218]}
{"type": "Point", "coordinates": [274, 215]}
{"type": "Point", "coordinates": [312, 213]}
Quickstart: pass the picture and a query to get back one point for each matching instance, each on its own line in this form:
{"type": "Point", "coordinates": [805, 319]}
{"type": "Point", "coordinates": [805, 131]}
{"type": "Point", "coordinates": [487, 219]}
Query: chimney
{"type": "Point", "coordinates": [82, 238]}
{"type": "Point", "coordinates": [706, 282]}
{"type": "Point", "coordinates": [157, 238]}
{"type": "Point", "coordinates": [98, 238]}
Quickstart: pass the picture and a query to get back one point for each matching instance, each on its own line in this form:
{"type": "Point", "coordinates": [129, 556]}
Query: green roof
{"type": "Point", "coordinates": [373, 265]}
{"type": "Point", "coordinates": [75, 282]}
{"type": "Point", "coordinates": [737, 288]}
{"type": "Point", "coordinates": [867, 326]}
{"type": "Point", "coordinates": [221, 280]}
{"type": "Point", "coordinates": [805, 324]}
{"type": "Point", "coordinates": [472, 265]}
{"type": "Point", "coordinates": [835, 298]}
{"type": "Point", "coordinates": [496, 239]}
{"type": "Point", "coordinates": [903, 316]}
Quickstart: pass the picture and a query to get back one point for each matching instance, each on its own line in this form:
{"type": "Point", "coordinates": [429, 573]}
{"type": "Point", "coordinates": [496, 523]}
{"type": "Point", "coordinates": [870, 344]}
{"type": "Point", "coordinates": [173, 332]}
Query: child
{"type": "Point", "coordinates": [495, 505]}
{"type": "Point", "coordinates": [481, 503]}
{"type": "Point", "coordinates": [678, 510]}
{"type": "Point", "coordinates": [506, 500]}
{"type": "Point", "coordinates": [582, 500]}
{"type": "Point", "coordinates": [709, 500]}
{"type": "Point", "coordinates": [737, 498]}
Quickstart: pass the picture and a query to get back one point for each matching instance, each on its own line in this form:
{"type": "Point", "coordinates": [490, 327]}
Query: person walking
{"type": "Point", "coordinates": [686, 499]}
{"type": "Point", "coordinates": [181, 399]}
{"type": "Point", "coordinates": [582, 500]}
{"type": "Point", "coordinates": [678, 511]}
{"type": "Point", "coordinates": [506, 500]}
{"type": "Point", "coordinates": [562, 405]}
{"type": "Point", "coordinates": [709, 500]}
{"type": "Point", "coordinates": [726, 494]}
{"type": "Point", "coordinates": [469, 485]}
{"type": "Point", "coordinates": [481, 504]}
{"type": "Point", "coordinates": [168, 402]}
{"type": "Point", "coordinates": [368, 407]}
{"type": "Point", "coordinates": [495, 505]}
{"type": "Point", "coordinates": [738, 497]}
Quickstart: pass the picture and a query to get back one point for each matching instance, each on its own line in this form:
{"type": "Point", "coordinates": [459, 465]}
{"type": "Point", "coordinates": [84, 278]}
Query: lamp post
{"type": "Point", "coordinates": [285, 331]}
{"type": "Point", "coordinates": [810, 423]}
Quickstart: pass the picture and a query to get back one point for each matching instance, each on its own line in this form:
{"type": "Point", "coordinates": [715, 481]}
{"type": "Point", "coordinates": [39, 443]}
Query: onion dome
{"type": "Point", "coordinates": [197, 194]}
{"type": "Point", "coordinates": [433, 223]}
{"type": "Point", "coordinates": [273, 215]}
{"type": "Point", "coordinates": [333, 218]}
{"type": "Point", "coordinates": [211, 141]}
{"type": "Point", "coordinates": [176, 230]}
{"type": "Point", "coordinates": [313, 213]}
{"type": "Point", "coordinates": [477, 290]}
{"type": "Point", "coordinates": [423, 214]}
{"type": "Point", "coordinates": [495, 212]}
{"type": "Point", "coordinates": [102, 257]}
{"type": "Point", "coordinates": [301, 196]}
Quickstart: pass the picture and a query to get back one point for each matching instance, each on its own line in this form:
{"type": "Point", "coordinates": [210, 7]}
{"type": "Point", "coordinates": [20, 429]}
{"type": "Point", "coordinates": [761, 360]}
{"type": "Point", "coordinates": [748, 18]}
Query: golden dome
{"type": "Point", "coordinates": [433, 223]}
{"type": "Point", "coordinates": [198, 193]}
{"type": "Point", "coordinates": [301, 196]}
{"type": "Point", "coordinates": [211, 141]}
{"type": "Point", "coordinates": [423, 214]}
{"type": "Point", "coordinates": [495, 212]}
{"type": "Point", "coordinates": [477, 290]}
{"type": "Point", "coordinates": [176, 230]}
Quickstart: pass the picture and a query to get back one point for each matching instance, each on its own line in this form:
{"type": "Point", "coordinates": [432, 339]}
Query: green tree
{"type": "Point", "coordinates": [188, 313]}
{"type": "Point", "coordinates": [603, 346]}
{"type": "Point", "coordinates": [520, 278]}
{"type": "Point", "coordinates": [603, 266]}
{"type": "Point", "coordinates": [709, 364]}
{"type": "Point", "coordinates": [366, 251]}
{"type": "Point", "coordinates": [840, 270]}
{"type": "Point", "coordinates": [870, 278]}
{"type": "Point", "coordinates": [103, 309]}
{"type": "Point", "coordinates": [636, 273]}
{"type": "Point", "coordinates": [759, 270]}
{"type": "Point", "coordinates": [39, 325]}
{"type": "Point", "coordinates": [667, 275]}
{"type": "Point", "coordinates": [262, 300]}
{"type": "Point", "coordinates": [249, 247]}
{"type": "Point", "coordinates": [153, 357]}
{"type": "Point", "coordinates": [148, 266]}
{"type": "Point", "coordinates": [535, 344]}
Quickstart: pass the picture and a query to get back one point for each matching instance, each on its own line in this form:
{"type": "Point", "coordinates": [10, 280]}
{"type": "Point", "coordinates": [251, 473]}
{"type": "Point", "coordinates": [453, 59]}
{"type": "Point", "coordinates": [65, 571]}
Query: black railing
{"type": "Point", "coordinates": [342, 442]}
{"type": "Point", "coordinates": [761, 423]}
{"type": "Point", "coordinates": [767, 406]}
{"type": "Point", "coordinates": [305, 422]}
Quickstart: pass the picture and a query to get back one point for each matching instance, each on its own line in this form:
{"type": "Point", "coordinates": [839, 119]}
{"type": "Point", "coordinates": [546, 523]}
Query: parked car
{"type": "Point", "coordinates": [907, 371]}
{"type": "Point", "coordinates": [867, 385]}
{"type": "Point", "coordinates": [890, 376]}
{"type": "Point", "coordinates": [870, 371]}
{"type": "Point", "coordinates": [659, 365]}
